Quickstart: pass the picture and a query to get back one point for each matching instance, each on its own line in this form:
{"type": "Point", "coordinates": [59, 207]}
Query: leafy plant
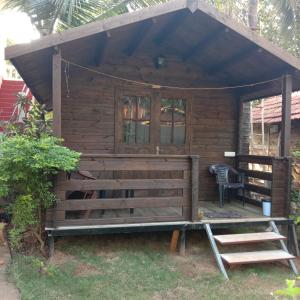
{"type": "Point", "coordinates": [29, 157]}
{"type": "Point", "coordinates": [291, 291]}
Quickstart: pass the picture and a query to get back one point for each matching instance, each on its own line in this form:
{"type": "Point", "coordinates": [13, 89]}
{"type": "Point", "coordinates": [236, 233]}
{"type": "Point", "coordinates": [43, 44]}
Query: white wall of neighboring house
{"type": "Point", "coordinates": [17, 28]}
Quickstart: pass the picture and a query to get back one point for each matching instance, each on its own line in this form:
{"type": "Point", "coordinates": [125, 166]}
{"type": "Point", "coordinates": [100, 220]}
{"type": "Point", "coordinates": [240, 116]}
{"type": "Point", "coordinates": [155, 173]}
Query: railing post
{"type": "Point", "coordinates": [281, 182]}
{"type": "Point", "coordinates": [195, 186]}
{"type": "Point", "coordinates": [287, 82]}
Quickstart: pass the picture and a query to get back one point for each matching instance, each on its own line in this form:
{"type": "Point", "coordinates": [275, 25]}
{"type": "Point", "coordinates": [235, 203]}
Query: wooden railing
{"type": "Point", "coordinates": [128, 189]}
{"type": "Point", "coordinates": [267, 177]}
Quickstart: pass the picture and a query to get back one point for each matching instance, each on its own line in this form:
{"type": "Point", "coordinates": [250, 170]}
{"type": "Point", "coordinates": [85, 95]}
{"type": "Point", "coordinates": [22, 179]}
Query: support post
{"type": "Point", "coordinates": [286, 115]}
{"type": "Point", "coordinates": [195, 187]}
{"type": "Point", "coordinates": [50, 246]}
{"type": "Point", "coordinates": [182, 243]}
{"type": "Point", "coordinates": [56, 92]}
{"type": "Point", "coordinates": [174, 241]}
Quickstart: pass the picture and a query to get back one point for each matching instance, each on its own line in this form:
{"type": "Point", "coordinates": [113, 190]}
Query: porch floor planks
{"type": "Point", "coordinates": [248, 211]}
{"type": "Point", "coordinates": [137, 212]}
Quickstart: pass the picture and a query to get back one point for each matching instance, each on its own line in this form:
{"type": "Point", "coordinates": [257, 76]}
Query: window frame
{"type": "Point", "coordinates": [154, 144]}
{"type": "Point", "coordinates": [135, 119]}
{"type": "Point", "coordinates": [173, 121]}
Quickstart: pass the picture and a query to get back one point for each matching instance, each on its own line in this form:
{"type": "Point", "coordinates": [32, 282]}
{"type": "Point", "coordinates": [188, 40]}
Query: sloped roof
{"type": "Point", "coordinates": [202, 38]}
{"type": "Point", "coordinates": [272, 109]}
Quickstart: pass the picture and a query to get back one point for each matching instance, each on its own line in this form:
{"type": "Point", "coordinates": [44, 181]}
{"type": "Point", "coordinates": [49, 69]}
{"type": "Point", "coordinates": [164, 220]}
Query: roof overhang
{"type": "Point", "coordinates": [196, 33]}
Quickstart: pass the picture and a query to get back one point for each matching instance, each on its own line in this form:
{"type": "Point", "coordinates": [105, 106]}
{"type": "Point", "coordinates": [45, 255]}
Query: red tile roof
{"type": "Point", "coordinates": [8, 97]}
{"type": "Point", "coordinates": [272, 109]}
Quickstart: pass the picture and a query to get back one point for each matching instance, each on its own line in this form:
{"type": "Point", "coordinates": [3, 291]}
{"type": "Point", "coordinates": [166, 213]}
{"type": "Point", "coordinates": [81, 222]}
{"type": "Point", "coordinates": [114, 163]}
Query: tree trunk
{"type": "Point", "coordinates": [253, 14]}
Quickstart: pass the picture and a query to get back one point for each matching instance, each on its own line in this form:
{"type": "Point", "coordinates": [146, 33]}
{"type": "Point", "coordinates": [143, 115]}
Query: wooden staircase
{"type": "Point", "coordinates": [240, 258]}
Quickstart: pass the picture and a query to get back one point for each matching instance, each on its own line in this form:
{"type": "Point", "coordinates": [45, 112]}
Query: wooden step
{"type": "Point", "coordinates": [244, 238]}
{"type": "Point", "coordinates": [256, 257]}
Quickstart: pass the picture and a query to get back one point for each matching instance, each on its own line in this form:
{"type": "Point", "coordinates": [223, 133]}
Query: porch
{"type": "Point", "coordinates": [130, 189]}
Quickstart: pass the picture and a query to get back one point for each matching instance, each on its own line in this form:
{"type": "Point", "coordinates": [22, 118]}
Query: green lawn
{"type": "Point", "coordinates": [139, 266]}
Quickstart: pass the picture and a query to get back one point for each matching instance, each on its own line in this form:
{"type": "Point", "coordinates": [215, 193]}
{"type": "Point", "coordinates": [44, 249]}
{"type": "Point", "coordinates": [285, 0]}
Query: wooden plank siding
{"type": "Point", "coordinates": [90, 116]}
{"type": "Point", "coordinates": [91, 124]}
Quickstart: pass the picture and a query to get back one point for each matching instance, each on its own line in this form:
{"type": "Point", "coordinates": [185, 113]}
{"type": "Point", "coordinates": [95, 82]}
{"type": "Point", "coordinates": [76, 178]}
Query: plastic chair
{"type": "Point", "coordinates": [222, 172]}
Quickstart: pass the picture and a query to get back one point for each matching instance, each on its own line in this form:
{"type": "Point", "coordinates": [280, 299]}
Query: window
{"type": "Point", "coordinates": [136, 119]}
{"type": "Point", "coordinates": [172, 121]}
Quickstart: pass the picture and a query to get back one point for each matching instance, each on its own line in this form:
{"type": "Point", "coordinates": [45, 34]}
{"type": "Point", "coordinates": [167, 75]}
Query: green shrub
{"type": "Point", "coordinates": [29, 157]}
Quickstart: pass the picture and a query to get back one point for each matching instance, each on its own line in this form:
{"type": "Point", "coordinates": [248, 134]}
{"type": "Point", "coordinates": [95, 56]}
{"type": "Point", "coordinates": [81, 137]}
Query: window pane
{"type": "Point", "coordinates": [143, 108]}
{"type": "Point", "coordinates": [179, 110]}
{"type": "Point", "coordinates": [165, 132]}
{"type": "Point", "coordinates": [129, 107]}
{"type": "Point", "coordinates": [166, 109]}
{"type": "Point", "coordinates": [142, 132]}
{"type": "Point", "coordinates": [129, 132]}
{"type": "Point", "coordinates": [179, 133]}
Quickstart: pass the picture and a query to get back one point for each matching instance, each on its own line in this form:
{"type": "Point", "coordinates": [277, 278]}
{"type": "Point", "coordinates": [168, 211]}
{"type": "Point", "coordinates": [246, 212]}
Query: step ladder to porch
{"type": "Point", "coordinates": [240, 258]}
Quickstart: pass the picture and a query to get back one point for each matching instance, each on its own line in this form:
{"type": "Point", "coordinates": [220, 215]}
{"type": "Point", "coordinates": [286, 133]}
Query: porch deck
{"type": "Point", "coordinates": [231, 214]}
{"type": "Point", "coordinates": [158, 190]}
{"type": "Point", "coordinates": [208, 210]}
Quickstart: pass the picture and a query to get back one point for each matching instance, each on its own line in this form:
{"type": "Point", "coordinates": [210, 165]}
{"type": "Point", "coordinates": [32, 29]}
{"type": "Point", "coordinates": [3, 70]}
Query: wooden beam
{"type": "Point", "coordinates": [138, 36]}
{"type": "Point", "coordinates": [56, 91]}
{"type": "Point", "coordinates": [203, 43]}
{"type": "Point", "coordinates": [286, 115]}
{"type": "Point", "coordinates": [171, 26]}
{"type": "Point", "coordinates": [101, 47]}
{"type": "Point", "coordinates": [174, 241]}
{"type": "Point", "coordinates": [232, 60]}
{"type": "Point", "coordinates": [195, 187]}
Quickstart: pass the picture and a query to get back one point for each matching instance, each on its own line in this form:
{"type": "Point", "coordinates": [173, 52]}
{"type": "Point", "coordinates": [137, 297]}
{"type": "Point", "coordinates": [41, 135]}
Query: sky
{"type": "Point", "coordinates": [16, 27]}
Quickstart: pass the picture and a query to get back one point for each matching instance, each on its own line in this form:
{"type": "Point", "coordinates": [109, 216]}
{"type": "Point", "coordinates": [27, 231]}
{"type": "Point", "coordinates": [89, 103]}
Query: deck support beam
{"type": "Point", "coordinates": [286, 115]}
{"type": "Point", "coordinates": [182, 245]}
{"type": "Point", "coordinates": [174, 241]}
{"type": "Point", "coordinates": [50, 246]}
{"type": "Point", "coordinates": [56, 91]}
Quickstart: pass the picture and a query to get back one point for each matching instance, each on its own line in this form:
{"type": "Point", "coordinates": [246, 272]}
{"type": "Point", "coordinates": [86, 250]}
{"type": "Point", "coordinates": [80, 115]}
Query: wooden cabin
{"type": "Point", "coordinates": [151, 99]}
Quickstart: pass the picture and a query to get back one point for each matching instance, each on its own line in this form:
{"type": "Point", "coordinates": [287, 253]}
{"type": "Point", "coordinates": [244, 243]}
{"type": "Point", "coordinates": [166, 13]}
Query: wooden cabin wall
{"type": "Point", "coordinates": [88, 116]}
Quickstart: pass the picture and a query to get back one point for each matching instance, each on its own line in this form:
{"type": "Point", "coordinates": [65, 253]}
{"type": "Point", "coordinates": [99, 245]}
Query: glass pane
{"type": "Point", "coordinates": [142, 132]}
{"type": "Point", "coordinates": [143, 108]}
{"type": "Point", "coordinates": [179, 133]}
{"type": "Point", "coordinates": [166, 109]}
{"type": "Point", "coordinates": [129, 132]}
{"type": "Point", "coordinates": [166, 132]}
{"type": "Point", "coordinates": [179, 110]}
{"type": "Point", "coordinates": [129, 107]}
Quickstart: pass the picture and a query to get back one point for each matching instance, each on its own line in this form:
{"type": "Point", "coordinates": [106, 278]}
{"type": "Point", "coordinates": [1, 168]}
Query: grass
{"type": "Point", "coordinates": [139, 266]}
